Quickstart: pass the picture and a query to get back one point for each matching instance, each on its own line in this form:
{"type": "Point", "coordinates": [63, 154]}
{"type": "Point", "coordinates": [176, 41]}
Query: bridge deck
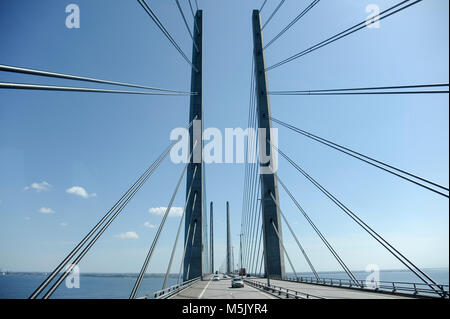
{"type": "Point", "coordinates": [208, 289]}
{"type": "Point", "coordinates": [330, 292]}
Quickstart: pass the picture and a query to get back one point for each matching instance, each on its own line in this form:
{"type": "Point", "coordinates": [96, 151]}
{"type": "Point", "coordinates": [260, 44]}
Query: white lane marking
{"type": "Point", "coordinates": [204, 289]}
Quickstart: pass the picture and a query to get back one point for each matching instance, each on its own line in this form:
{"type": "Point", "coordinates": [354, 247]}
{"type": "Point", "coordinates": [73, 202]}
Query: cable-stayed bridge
{"type": "Point", "coordinates": [263, 253]}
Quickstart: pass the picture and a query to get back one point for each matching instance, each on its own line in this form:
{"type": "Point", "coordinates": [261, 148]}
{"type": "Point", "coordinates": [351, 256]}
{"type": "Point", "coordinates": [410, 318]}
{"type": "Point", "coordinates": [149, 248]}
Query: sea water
{"type": "Point", "coordinates": [119, 286]}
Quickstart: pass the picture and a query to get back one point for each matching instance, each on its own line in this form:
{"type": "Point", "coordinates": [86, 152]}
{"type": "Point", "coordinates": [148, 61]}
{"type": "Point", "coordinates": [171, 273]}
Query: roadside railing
{"type": "Point", "coordinates": [162, 294]}
{"type": "Point", "coordinates": [415, 289]}
{"type": "Point", "coordinates": [281, 291]}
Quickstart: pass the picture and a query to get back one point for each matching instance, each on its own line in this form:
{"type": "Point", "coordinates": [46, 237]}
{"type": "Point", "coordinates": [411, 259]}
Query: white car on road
{"type": "Point", "coordinates": [237, 282]}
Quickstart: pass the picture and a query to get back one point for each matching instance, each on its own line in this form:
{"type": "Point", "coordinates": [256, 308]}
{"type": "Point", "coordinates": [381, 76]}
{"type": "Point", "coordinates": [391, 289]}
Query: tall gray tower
{"type": "Point", "coordinates": [211, 237]}
{"type": "Point", "coordinates": [229, 261]}
{"type": "Point", "coordinates": [194, 219]}
{"type": "Point", "coordinates": [273, 252]}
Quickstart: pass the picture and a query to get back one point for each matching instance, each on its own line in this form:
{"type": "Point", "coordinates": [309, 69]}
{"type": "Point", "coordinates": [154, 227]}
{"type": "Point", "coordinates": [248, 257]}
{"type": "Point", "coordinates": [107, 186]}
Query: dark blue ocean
{"type": "Point", "coordinates": [118, 286]}
{"type": "Point", "coordinates": [17, 286]}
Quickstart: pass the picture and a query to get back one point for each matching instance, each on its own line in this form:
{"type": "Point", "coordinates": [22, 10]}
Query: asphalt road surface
{"type": "Point", "coordinates": [221, 289]}
{"type": "Point", "coordinates": [330, 292]}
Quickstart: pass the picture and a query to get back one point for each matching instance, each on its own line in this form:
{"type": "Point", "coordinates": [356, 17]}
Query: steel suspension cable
{"type": "Point", "coordinates": [263, 256]}
{"type": "Point", "coordinates": [77, 260]}
{"type": "Point", "coordinates": [273, 14]}
{"type": "Point", "coordinates": [193, 16]}
{"type": "Point", "coordinates": [399, 256]}
{"type": "Point", "coordinates": [262, 259]}
{"type": "Point", "coordinates": [297, 18]}
{"type": "Point", "coordinates": [363, 93]}
{"type": "Point", "coordinates": [263, 5]}
{"type": "Point", "coordinates": [367, 88]}
{"type": "Point", "coordinates": [253, 163]}
{"type": "Point", "coordinates": [27, 86]}
{"type": "Point", "coordinates": [296, 239]}
{"type": "Point", "coordinates": [196, 4]}
{"type": "Point", "coordinates": [253, 236]}
{"type": "Point", "coordinates": [367, 159]}
{"type": "Point", "coordinates": [164, 31]}
{"type": "Point", "coordinates": [15, 69]}
{"type": "Point", "coordinates": [186, 24]}
{"type": "Point", "coordinates": [249, 167]}
{"type": "Point", "coordinates": [284, 248]}
{"type": "Point", "coordinates": [253, 169]}
{"type": "Point", "coordinates": [192, 245]}
{"type": "Point", "coordinates": [257, 236]}
{"type": "Point", "coordinates": [321, 236]}
{"type": "Point", "coordinates": [253, 222]}
{"type": "Point", "coordinates": [256, 186]}
{"type": "Point", "coordinates": [346, 32]}
{"type": "Point", "coordinates": [244, 199]}
{"type": "Point", "coordinates": [89, 235]}
{"type": "Point", "coordinates": [166, 277]}
{"type": "Point", "coordinates": [187, 236]}
{"type": "Point", "coordinates": [244, 203]}
{"type": "Point", "coordinates": [245, 189]}
{"type": "Point", "coordinates": [259, 249]}
{"type": "Point", "coordinates": [160, 228]}
{"type": "Point", "coordinates": [130, 193]}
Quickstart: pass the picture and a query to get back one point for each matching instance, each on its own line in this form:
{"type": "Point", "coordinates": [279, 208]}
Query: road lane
{"type": "Point", "coordinates": [330, 292]}
{"type": "Point", "coordinates": [220, 290]}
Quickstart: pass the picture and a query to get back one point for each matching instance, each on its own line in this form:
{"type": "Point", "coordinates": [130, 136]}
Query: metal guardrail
{"type": "Point", "coordinates": [164, 293]}
{"type": "Point", "coordinates": [415, 289]}
{"type": "Point", "coordinates": [281, 291]}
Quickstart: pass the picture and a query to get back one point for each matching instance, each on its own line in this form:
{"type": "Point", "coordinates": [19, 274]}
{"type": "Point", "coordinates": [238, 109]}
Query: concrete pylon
{"type": "Point", "coordinates": [273, 253]}
{"type": "Point", "coordinates": [211, 236]}
{"type": "Point", "coordinates": [229, 261]}
{"type": "Point", "coordinates": [193, 261]}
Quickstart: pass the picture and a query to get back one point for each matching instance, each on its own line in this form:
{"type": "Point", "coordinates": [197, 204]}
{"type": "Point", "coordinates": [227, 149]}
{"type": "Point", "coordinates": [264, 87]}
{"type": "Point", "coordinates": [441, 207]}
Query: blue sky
{"type": "Point", "coordinates": [103, 142]}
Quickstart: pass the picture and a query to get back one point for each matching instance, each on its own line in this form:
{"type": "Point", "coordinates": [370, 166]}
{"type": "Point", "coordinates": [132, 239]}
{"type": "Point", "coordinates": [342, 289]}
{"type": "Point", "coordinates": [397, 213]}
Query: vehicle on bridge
{"type": "Point", "coordinates": [237, 282]}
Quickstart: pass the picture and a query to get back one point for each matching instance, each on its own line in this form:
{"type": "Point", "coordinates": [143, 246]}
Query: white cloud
{"type": "Point", "coordinates": [63, 224]}
{"type": "Point", "coordinates": [39, 187]}
{"type": "Point", "coordinates": [128, 235]}
{"type": "Point", "coordinates": [27, 218]}
{"type": "Point", "coordinates": [80, 191]}
{"type": "Point", "coordinates": [148, 225]}
{"type": "Point", "coordinates": [160, 211]}
{"type": "Point", "coordinates": [46, 210]}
